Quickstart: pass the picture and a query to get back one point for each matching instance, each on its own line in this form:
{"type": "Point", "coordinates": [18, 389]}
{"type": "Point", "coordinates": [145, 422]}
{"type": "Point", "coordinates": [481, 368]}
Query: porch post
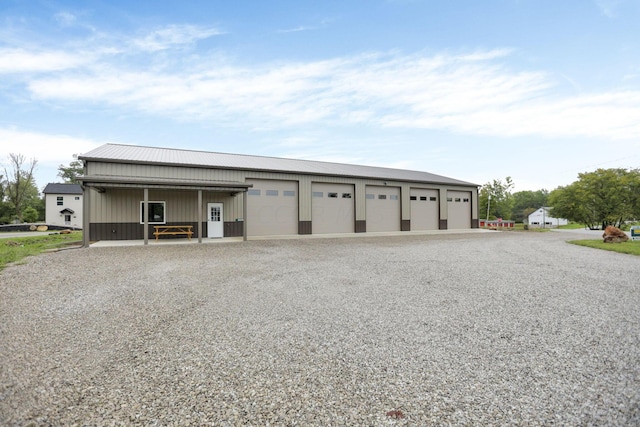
{"type": "Point", "coordinates": [145, 216]}
{"type": "Point", "coordinates": [244, 215]}
{"type": "Point", "coordinates": [199, 216]}
{"type": "Point", "coordinates": [86, 190]}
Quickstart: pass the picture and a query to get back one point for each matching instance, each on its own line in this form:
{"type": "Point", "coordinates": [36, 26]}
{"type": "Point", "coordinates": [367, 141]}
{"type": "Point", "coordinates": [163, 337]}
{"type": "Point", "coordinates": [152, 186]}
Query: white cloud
{"type": "Point", "coordinates": [25, 61]}
{"type": "Point", "coordinates": [65, 19]}
{"type": "Point", "coordinates": [173, 36]}
{"type": "Point", "coordinates": [472, 93]}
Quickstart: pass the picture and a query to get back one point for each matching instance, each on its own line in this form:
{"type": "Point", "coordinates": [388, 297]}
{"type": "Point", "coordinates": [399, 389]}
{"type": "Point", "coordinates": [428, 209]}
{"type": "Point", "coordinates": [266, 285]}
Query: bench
{"type": "Point", "coordinates": [173, 230]}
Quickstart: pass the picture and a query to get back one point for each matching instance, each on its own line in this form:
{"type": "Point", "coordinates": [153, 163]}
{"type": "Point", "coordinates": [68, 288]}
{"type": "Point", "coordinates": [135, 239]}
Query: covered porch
{"type": "Point", "coordinates": [138, 204]}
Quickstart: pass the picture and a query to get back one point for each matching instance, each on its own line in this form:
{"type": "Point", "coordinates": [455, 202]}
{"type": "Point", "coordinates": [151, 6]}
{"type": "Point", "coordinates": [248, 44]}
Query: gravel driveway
{"type": "Point", "coordinates": [500, 328]}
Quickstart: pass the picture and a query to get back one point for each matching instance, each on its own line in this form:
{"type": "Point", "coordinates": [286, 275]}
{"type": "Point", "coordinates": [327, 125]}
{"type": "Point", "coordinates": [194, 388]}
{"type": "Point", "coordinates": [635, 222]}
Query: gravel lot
{"type": "Point", "coordinates": [470, 329]}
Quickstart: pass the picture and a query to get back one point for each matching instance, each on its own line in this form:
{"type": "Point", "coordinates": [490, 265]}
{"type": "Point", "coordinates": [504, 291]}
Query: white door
{"type": "Point", "coordinates": [215, 224]}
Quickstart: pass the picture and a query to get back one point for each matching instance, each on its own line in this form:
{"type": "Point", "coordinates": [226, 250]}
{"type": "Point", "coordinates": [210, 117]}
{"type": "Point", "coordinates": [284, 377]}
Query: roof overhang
{"type": "Point", "coordinates": [101, 182]}
{"type": "Point", "coordinates": [67, 211]}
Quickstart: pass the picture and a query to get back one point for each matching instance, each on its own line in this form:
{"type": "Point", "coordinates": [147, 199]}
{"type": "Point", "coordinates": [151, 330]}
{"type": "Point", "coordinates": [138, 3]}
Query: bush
{"type": "Point", "coordinates": [30, 214]}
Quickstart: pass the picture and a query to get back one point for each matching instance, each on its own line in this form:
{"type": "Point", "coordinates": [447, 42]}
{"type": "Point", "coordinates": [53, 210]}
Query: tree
{"type": "Point", "coordinates": [19, 184]}
{"type": "Point", "coordinates": [501, 203]}
{"type": "Point", "coordinates": [70, 174]}
{"type": "Point", "coordinates": [603, 197]}
{"type": "Point", "coordinates": [526, 202]}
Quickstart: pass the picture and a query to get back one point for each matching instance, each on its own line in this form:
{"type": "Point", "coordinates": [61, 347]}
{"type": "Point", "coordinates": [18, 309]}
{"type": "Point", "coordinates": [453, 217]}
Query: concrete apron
{"type": "Point", "coordinates": [183, 241]}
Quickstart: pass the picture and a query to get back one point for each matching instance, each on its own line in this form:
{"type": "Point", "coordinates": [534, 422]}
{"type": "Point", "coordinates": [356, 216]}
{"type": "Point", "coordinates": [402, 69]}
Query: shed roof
{"type": "Point", "coordinates": [118, 153]}
{"type": "Point", "coordinates": [55, 188]}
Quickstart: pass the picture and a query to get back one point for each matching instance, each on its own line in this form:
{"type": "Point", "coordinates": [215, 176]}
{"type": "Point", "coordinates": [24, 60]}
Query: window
{"type": "Point", "coordinates": [289, 193]}
{"type": "Point", "coordinates": [423, 198]}
{"type": "Point", "coordinates": [346, 195]}
{"type": "Point", "coordinates": [413, 198]}
{"type": "Point", "coordinates": [393, 197]}
{"type": "Point", "coordinates": [59, 200]}
{"type": "Point", "coordinates": [155, 214]}
{"type": "Point", "coordinates": [332, 195]}
{"type": "Point", "coordinates": [465, 200]}
{"type": "Point", "coordinates": [318, 194]}
{"type": "Point", "coordinates": [433, 198]}
{"type": "Point", "coordinates": [272, 192]}
{"type": "Point", "coordinates": [382, 197]}
{"type": "Point", "coordinates": [449, 199]}
{"type": "Point", "coordinates": [370, 196]}
{"type": "Point", "coordinates": [458, 199]}
{"type": "Point", "coordinates": [254, 192]}
{"type": "Point", "coordinates": [76, 198]}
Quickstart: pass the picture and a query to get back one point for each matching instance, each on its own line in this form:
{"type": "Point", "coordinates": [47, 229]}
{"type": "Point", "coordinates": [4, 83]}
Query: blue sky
{"type": "Point", "coordinates": [533, 89]}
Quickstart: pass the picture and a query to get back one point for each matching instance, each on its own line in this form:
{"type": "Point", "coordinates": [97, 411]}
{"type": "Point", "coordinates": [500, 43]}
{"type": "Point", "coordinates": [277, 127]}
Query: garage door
{"type": "Point", "coordinates": [272, 208]}
{"type": "Point", "coordinates": [459, 206]}
{"type": "Point", "coordinates": [425, 209]}
{"type": "Point", "coordinates": [383, 208]}
{"type": "Point", "coordinates": [333, 208]}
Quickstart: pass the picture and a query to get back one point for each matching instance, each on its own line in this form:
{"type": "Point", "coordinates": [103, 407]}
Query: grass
{"type": "Point", "coordinates": [630, 247]}
{"type": "Point", "coordinates": [13, 250]}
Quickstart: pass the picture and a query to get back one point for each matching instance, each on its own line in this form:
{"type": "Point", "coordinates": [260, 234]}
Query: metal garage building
{"type": "Point", "coordinates": [230, 195]}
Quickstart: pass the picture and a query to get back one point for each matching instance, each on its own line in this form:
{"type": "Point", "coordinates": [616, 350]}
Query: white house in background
{"type": "Point", "coordinates": [541, 218]}
{"type": "Point", "coordinates": [63, 205]}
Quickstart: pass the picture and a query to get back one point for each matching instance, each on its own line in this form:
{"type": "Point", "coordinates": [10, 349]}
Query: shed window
{"type": "Point", "coordinates": [413, 198]}
{"type": "Point", "coordinates": [286, 193]}
{"type": "Point", "coordinates": [423, 198]}
{"type": "Point", "coordinates": [318, 194]}
{"type": "Point", "coordinates": [254, 192]}
{"type": "Point", "coordinates": [272, 192]}
{"type": "Point", "coordinates": [346, 195]}
{"type": "Point", "coordinates": [156, 214]}
{"type": "Point", "coordinates": [59, 200]}
{"type": "Point", "coordinates": [332, 195]}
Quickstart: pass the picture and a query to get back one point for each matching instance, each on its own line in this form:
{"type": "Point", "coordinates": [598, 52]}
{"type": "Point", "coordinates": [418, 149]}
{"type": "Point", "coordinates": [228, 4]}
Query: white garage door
{"type": "Point", "coordinates": [425, 209]}
{"type": "Point", "coordinates": [333, 208]}
{"type": "Point", "coordinates": [272, 208]}
{"type": "Point", "coordinates": [383, 208]}
{"type": "Point", "coordinates": [459, 207]}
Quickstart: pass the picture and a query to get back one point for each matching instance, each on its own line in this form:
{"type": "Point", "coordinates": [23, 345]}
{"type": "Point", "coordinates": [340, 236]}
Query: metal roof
{"type": "Point", "coordinates": [118, 153]}
{"type": "Point", "coordinates": [54, 188]}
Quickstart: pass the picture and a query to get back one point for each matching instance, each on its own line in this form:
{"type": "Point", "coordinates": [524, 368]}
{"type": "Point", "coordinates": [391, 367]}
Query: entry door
{"type": "Point", "coordinates": [215, 227]}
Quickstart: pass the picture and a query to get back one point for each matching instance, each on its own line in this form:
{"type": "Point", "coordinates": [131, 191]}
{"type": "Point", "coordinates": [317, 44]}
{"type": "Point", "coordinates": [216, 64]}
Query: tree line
{"type": "Point", "coordinates": [597, 199]}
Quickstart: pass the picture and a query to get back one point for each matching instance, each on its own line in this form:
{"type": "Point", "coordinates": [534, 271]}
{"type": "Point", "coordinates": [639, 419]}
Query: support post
{"type": "Point", "coordinates": [145, 216]}
{"type": "Point", "coordinates": [199, 216]}
{"type": "Point", "coordinates": [244, 215]}
{"type": "Point", "coordinates": [86, 222]}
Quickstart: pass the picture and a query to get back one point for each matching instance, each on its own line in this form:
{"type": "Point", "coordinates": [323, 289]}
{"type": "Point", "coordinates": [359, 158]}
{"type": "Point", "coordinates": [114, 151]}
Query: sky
{"type": "Point", "coordinates": [535, 90]}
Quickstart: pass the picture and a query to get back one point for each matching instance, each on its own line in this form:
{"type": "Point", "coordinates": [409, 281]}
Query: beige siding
{"type": "Point", "coordinates": [122, 205]}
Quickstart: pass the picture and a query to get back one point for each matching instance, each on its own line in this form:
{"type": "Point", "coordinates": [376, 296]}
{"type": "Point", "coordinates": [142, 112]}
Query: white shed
{"type": "Point", "coordinates": [541, 218]}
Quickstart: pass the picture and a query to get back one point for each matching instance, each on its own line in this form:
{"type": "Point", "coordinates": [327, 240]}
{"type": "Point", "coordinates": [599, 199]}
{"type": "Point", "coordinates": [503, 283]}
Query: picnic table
{"type": "Point", "coordinates": [173, 230]}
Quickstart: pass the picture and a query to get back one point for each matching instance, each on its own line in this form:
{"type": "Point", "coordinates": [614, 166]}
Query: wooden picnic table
{"type": "Point", "coordinates": [173, 230]}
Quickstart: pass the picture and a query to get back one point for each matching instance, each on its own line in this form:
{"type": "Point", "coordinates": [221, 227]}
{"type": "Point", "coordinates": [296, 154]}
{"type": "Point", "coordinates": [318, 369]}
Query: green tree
{"type": "Point", "coordinates": [30, 214]}
{"type": "Point", "coordinates": [526, 202]}
{"type": "Point", "coordinates": [600, 198]}
{"type": "Point", "coordinates": [496, 199]}
{"type": "Point", "coordinates": [70, 174]}
{"type": "Point", "coordinates": [19, 185]}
